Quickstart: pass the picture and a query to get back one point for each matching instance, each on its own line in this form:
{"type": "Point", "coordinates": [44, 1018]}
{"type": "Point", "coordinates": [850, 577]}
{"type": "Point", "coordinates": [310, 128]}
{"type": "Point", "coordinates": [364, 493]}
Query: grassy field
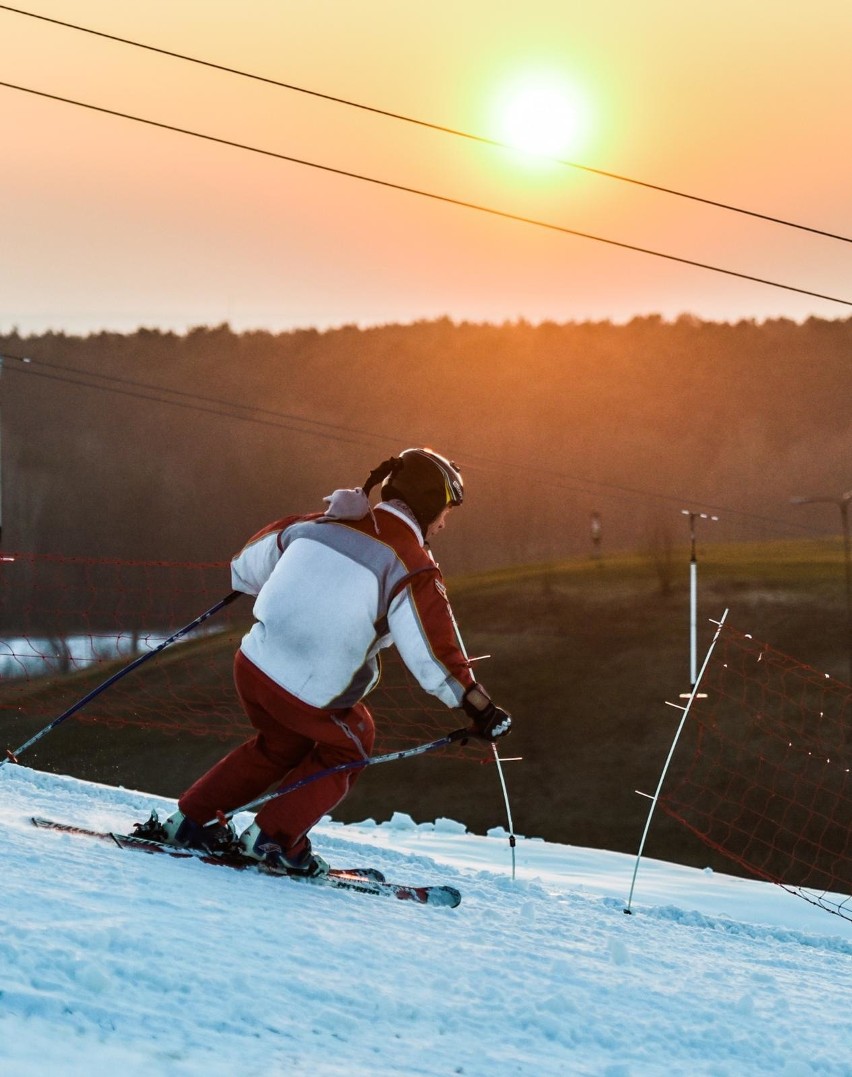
{"type": "Point", "coordinates": [585, 654]}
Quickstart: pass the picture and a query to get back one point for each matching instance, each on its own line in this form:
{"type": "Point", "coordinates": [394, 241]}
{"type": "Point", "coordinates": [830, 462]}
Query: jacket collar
{"type": "Point", "coordinates": [400, 509]}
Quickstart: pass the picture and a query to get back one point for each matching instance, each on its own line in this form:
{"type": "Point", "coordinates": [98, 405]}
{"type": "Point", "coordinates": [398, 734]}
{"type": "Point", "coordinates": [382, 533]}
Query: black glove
{"type": "Point", "coordinates": [489, 722]}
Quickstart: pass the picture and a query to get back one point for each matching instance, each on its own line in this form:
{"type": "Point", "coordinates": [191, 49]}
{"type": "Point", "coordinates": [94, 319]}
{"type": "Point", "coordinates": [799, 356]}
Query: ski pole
{"type": "Point", "coordinates": [512, 840]}
{"type": "Point", "coordinates": [200, 619]}
{"type": "Point", "coordinates": [458, 734]}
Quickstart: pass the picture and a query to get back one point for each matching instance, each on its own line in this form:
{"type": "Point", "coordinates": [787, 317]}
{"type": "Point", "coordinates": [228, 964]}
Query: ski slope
{"type": "Point", "coordinates": [121, 962]}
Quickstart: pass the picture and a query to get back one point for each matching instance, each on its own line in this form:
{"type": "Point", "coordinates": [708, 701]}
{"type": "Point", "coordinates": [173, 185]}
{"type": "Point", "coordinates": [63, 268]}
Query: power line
{"type": "Point", "coordinates": [210, 406]}
{"type": "Point", "coordinates": [446, 199]}
{"type": "Point", "coordinates": [348, 435]}
{"type": "Point", "coordinates": [482, 139]}
{"type": "Point", "coordinates": [637, 494]}
{"type": "Point", "coordinates": [290, 416]}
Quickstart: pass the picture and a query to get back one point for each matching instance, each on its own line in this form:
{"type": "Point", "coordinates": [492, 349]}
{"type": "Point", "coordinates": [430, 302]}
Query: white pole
{"type": "Point", "coordinates": [656, 795]}
{"type": "Point", "coordinates": [497, 758]}
{"type": "Point", "coordinates": [693, 620]}
{"type": "Point", "coordinates": [693, 592]}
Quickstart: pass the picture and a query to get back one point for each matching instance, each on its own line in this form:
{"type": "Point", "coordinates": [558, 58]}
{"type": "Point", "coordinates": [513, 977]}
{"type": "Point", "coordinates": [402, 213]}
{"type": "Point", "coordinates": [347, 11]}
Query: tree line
{"type": "Point", "coordinates": [156, 445]}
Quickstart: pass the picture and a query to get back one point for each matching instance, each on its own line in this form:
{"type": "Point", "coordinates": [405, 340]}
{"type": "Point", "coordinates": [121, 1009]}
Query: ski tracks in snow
{"type": "Point", "coordinates": [155, 966]}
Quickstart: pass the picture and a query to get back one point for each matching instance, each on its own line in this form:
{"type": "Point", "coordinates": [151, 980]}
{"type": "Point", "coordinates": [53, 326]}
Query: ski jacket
{"type": "Point", "coordinates": [332, 593]}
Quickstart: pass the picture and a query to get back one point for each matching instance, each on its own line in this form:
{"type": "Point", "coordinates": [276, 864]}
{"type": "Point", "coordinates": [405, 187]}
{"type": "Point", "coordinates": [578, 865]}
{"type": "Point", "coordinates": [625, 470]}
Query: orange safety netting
{"type": "Point", "coordinates": [68, 623]}
{"type": "Point", "coordinates": [762, 770]}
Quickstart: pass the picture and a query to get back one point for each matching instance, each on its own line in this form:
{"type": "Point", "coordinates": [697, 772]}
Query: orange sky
{"type": "Point", "coordinates": [109, 224]}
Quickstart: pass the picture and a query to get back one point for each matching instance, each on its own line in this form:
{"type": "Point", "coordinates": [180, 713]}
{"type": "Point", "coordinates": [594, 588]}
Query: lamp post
{"type": "Point", "coordinates": [693, 592]}
{"type": "Point", "coordinates": [1, 463]}
{"type": "Point", "coordinates": [842, 503]}
{"type": "Point", "coordinates": [23, 360]}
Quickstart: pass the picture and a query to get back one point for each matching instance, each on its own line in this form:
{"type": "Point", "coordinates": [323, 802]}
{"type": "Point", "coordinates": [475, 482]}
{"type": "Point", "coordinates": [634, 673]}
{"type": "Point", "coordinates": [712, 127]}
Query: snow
{"type": "Point", "coordinates": [118, 962]}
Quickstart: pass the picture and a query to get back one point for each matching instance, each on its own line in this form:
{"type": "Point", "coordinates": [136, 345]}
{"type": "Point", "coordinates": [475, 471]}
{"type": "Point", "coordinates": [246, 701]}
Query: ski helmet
{"type": "Point", "coordinates": [426, 481]}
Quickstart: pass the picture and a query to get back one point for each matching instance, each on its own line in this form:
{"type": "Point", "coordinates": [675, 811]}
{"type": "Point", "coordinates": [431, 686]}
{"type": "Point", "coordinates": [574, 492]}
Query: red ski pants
{"type": "Point", "coordinates": [293, 741]}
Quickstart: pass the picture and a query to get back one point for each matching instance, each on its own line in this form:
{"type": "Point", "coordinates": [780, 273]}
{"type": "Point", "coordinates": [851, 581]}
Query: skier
{"type": "Point", "coordinates": [332, 589]}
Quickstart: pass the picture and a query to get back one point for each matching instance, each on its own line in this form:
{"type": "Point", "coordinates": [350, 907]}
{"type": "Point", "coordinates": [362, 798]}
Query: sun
{"type": "Point", "coordinates": [541, 115]}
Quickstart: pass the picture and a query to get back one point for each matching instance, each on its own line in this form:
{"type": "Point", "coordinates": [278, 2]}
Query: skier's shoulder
{"type": "Point", "coordinates": [275, 529]}
{"type": "Point", "coordinates": [385, 527]}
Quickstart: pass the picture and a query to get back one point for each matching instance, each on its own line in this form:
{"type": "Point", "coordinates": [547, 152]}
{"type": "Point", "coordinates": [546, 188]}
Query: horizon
{"type": "Point", "coordinates": [456, 323]}
{"type": "Point", "coordinates": [111, 225]}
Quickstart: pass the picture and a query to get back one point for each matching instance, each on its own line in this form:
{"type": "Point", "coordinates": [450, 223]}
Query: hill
{"type": "Point", "coordinates": [120, 962]}
{"type": "Point", "coordinates": [584, 653]}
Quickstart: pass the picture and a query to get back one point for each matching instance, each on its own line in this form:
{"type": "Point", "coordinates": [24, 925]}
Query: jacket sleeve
{"type": "Point", "coordinates": [253, 565]}
{"type": "Point", "coordinates": [424, 630]}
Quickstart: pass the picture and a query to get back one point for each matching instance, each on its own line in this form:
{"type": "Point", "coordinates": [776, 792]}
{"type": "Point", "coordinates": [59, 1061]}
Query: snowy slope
{"type": "Point", "coordinates": [118, 962]}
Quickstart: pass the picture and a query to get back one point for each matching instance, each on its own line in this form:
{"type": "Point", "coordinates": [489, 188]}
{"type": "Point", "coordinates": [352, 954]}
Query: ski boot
{"type": "Point", "coordinates": [184, 833]}
{"type": "Point", "coordinates": [257, 845]}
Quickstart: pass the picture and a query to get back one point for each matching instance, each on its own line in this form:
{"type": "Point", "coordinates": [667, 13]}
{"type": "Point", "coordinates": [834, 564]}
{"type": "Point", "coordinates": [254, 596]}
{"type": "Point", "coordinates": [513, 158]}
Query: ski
{"type": "Point", "coordinates": [357, 880]}
{"type": "Point", "coordinates": [128, 841]}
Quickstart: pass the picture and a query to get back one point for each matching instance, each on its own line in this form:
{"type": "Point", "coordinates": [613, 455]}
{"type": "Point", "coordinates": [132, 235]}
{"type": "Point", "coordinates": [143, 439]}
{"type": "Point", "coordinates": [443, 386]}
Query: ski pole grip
{"type": "Point", "coordinates": [458, 734]}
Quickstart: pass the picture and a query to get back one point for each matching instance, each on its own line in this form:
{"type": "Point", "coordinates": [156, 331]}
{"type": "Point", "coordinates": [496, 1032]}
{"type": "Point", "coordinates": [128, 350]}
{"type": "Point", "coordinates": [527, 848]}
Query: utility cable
{"type": "Point", "coordinates": [34, 366]}
{"type": "Point", "coordinates": [482, 139]}
{"type": "Point", "coordinates": [539, 474]}
{"type": "Point", "coordinates": [446, 199]}
{"type": "Point", "coordinates": [208, 407]}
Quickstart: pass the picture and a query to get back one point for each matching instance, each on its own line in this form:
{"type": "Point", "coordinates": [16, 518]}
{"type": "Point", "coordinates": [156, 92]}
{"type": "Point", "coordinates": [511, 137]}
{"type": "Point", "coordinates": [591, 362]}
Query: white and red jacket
{"type": "Point", "coordinates": [332, 593]}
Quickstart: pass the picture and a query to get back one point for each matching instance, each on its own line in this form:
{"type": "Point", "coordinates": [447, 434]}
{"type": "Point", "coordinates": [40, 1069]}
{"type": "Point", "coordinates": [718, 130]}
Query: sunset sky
{"type": "Point", "coordinates": [110, 224]}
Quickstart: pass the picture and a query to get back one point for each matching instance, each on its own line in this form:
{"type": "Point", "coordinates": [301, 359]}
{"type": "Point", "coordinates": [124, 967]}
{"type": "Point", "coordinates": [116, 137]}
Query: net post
{"type": "Point", "coordinates": [719, 624]}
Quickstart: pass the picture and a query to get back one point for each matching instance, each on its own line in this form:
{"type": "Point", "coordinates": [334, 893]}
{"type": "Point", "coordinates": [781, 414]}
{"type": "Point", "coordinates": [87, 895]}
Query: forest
{"type": "Point", "coordinates": [155, 445]}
